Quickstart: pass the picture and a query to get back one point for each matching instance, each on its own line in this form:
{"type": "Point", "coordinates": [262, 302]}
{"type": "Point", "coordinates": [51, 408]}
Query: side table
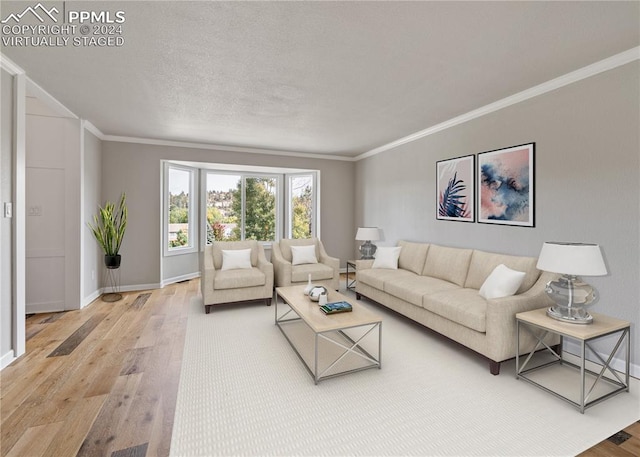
{"type": "Point", "coordinates": [351, 283]}
{"type": "Point", "coordinates": [540, 325]}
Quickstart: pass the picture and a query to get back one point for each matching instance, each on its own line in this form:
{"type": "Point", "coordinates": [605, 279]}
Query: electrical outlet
{"type": "Point", "coordinates": [34, 211]}
{"type": "Point", "coordinates": [8, 209]}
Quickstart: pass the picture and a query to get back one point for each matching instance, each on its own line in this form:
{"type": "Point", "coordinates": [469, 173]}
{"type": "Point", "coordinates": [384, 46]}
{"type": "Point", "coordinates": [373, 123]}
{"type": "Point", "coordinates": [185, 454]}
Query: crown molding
{"type": "Point", "coordinates": [34, 90]}
{"type": "Point", "coordinates": [218, 147]}
{"type": "Point", "coordinates": [93, 129]}
{"type": "Point", "coordinates": [586, 72]}
{"type": "Point", "coordinates": [10, 66]}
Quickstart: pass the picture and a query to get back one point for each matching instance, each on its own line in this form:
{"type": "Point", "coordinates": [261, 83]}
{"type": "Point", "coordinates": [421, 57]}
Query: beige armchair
{"type": "Point", "coordinates": [326, 271]}
{"type": "Point", "coordinates": [222, 285]}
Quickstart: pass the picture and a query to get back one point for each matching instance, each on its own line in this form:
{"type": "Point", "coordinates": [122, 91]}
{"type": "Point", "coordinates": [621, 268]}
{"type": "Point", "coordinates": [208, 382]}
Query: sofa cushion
{"type": "Point", "coordinates": [463, 306]}
{"type": "Point", "coordinates": [412, 256]}
{"type": "Point", "coordinates": [483, 263]}
{"type": "Point", "coordinates": [318, 271]}
{"type": "Point", "coordinates": [235, 279]}
{"type": "Point", "coordinates": [502, 282]}
{"type": "Point", "coordinates": [413, 288]}
{"type": "Point", "coordinates": [377, 277]}
{"type": "Point", "coordinates": [450, 264]}
{"type": "Point", "coordinates": [387, 257]}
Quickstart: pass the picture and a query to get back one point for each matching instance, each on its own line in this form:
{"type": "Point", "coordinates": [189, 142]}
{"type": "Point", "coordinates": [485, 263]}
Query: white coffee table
{"type": "Point", "coordinates": [329, 345]}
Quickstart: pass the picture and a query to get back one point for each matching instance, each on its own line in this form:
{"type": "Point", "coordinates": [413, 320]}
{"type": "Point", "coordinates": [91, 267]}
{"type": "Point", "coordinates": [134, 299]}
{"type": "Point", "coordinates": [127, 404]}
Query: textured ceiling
{"type": "Point", "coordinates": [320, 77]}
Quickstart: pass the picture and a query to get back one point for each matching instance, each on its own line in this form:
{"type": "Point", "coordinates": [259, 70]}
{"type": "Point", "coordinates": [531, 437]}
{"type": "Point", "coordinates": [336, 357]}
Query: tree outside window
{"type": "Point", "coordinates": [179, 208]}
{"type": "Point", "coordinates": [301, 206]}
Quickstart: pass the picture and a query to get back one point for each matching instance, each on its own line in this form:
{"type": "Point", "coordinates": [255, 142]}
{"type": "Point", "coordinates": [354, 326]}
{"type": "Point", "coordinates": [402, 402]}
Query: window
{"type": "Point", "coordinates": [241, 207]}
{"type": "Point", "coordinates": [301, 213]}
{"type": "Point", "coordinates": [180, 233]}
{"type": "Point", "coordinates": [236, 202]}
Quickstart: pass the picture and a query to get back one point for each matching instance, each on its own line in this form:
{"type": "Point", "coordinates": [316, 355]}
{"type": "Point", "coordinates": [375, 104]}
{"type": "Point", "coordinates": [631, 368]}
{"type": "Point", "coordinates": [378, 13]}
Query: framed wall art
{"type": "Point", "coordinates": [455, 187]}
{"type": "Point", "coordinates": [506, 186]}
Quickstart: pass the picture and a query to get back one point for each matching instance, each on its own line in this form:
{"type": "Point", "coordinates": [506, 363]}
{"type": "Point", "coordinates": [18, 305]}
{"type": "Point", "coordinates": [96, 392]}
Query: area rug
{"type": "Point", "coordinates": [244, 391]}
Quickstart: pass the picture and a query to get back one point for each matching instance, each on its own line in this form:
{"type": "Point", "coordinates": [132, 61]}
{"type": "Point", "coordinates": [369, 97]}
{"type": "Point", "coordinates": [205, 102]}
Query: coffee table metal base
{"type": "Point", "coordinates": [340, 340]}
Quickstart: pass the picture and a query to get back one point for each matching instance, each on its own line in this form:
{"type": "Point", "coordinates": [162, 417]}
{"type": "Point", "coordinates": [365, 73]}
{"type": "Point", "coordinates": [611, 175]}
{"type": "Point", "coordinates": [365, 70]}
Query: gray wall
{"type": "Point", "coordinates": [6, 195]}
{"type": "Point", "coordinates": [136, 170]}
{"type": "Point", "coordinates": [587, 181]}
{"type": "Point", "coordinates": [92, 255]}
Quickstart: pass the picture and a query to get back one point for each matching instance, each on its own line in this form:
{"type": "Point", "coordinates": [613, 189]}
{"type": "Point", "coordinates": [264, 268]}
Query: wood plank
{"type": "Point", "coordinates": [77, 337]}
{"type": "Point", "coordinates": [35, 440]}
{"type": "Point", "coordinates": [79, 421]}
{"type": "Point", "coordinates": [100, 439]}
{"type": "Point", "coordinates": [135, 451]}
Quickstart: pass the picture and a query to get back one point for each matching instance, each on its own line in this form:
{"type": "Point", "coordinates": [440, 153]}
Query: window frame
{"type": "Point", "coordinates": [193, 211]}
{"type": "Point", "coordinates": [315, 199]}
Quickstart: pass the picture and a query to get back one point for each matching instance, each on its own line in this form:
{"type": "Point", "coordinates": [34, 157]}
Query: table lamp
{"type": "Point", "coordinates": [570, 294]}
{"type": "Point", "coordinates": [367, 234]}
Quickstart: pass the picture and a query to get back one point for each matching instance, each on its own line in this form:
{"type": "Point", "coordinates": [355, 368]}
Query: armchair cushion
{"type": "Point", "coordinates": [301, 255]}
{"type": "Point", "coordinates": [318, 271]}
{"type": "Point", "coordinates": [236, 259]}
{"type": "Point", "coordinates": [237, 279]}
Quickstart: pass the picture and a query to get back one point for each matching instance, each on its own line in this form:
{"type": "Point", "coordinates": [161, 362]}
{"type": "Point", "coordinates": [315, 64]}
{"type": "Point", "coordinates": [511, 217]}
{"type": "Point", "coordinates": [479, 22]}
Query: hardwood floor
{"type": "Point", "coordinates": [103, 381]}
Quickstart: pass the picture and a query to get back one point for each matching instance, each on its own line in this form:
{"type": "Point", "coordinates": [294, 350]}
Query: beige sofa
{"type": "Point", "coordinates": [438, 287]}
{"type": "Point", "coordinates": [326, 271]}
{"type": "Point", "coordinates": [234, 285]}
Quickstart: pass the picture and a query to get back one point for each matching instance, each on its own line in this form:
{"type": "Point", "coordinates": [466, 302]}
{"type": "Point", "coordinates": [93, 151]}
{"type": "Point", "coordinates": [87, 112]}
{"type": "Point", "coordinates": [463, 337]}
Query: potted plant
{"type": "Point", "coordinates": [108, 229]}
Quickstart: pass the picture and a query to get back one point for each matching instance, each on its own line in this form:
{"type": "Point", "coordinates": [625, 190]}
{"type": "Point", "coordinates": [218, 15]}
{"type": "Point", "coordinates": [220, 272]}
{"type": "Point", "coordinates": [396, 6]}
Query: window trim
{"type": "Point", "coordinates": [315, 202]}
{"type": "Point", "coordinates": [193, 212]}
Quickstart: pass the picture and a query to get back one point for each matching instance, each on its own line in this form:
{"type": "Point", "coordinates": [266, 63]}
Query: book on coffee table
{"type": "Point", "coordinates": [336, 307]}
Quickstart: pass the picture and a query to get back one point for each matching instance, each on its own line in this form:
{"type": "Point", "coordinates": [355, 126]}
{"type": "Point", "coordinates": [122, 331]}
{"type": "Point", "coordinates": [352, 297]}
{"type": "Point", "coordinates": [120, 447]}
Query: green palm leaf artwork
{"type": "Point", "coordinates": [453, 200]}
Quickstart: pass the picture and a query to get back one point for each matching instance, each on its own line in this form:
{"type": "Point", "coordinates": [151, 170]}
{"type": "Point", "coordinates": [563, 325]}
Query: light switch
{"type": "Point", "coordinates": [8, 209]}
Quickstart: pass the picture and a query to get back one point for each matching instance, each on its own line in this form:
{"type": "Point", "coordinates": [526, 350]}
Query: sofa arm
{"type": "Point", "coordinates": [501, 313]}
{"type": "Point", "coordinates": [281, 267]}
{"type": "Point", "coordinates": [207, 275]}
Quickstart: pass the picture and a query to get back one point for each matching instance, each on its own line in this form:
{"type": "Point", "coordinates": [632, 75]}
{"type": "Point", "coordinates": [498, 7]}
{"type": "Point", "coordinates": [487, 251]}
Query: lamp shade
{"type": "Point", "coordinates": [368, 234]}
{"type": "Point", "coordinates": [578, 259]}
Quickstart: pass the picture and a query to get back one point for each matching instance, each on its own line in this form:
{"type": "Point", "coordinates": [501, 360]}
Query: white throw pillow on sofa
{"type": "Point", "coordinates": [303, 254]}
{"type": "Point", "coordinates": [502, 282]}
{"type": "Point", "coordinates": [387, 257]}
{"type": "Point", "coordinates": [236, 259]}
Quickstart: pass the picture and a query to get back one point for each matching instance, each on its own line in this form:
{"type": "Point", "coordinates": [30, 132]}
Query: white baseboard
{"type": "Point", "coordinates": [7, 359]}
{"type": "Point", "coordinates": [132, 288]}
{"type": "Point", "coordinates": [44, 307]}
{"type": "Point", "coordinates": [617, 363]}
{"type": "Point", "coordinates": [166, 282]}
{"type": "Point", "coordinates": [90, 298]}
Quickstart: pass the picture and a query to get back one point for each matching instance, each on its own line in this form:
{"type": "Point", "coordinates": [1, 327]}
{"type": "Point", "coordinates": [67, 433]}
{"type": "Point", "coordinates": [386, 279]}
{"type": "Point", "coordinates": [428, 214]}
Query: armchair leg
{"type": "Point", "coordinates": [207, 308]}
{"type": "Point", "coordinates": [494, 367]}
{"type": "Point", "coordinates": [268, 301]}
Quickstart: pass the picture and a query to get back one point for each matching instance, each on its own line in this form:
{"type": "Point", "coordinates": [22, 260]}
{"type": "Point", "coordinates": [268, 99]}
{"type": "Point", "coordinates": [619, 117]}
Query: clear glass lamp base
{"type": "Point", "coordinates": [367, 250]}
{"type": "Point", "coordinates": [571, 296]}
{"type": "Point", "coordinates": [573, 315]}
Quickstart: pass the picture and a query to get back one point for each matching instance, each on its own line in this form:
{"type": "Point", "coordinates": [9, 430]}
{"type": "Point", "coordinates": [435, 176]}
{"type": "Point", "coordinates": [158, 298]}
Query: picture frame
{"type": "Point", "coordinates": [455, 189]}
{"type": "Point", "coordinates": [506, 186]}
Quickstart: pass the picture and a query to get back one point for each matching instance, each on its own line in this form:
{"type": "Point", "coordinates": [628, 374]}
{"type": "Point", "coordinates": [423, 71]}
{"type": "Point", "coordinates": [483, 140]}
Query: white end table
{"type": "Point", "coordinates": [540, 325]}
